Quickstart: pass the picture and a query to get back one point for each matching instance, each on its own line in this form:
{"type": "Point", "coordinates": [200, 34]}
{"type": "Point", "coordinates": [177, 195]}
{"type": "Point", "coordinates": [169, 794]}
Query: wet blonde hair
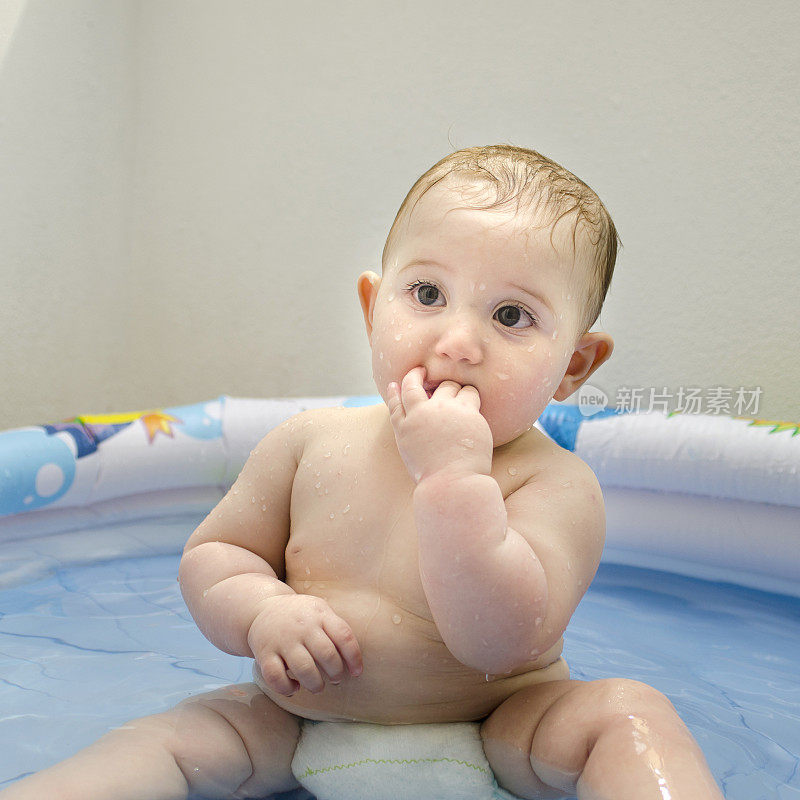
{"type": "Point", "coordinates": [525, 178]}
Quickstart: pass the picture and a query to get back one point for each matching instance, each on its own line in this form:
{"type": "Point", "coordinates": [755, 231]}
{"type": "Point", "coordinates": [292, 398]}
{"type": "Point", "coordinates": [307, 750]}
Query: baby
{"type": "Point", "coordinates": [417, 561]}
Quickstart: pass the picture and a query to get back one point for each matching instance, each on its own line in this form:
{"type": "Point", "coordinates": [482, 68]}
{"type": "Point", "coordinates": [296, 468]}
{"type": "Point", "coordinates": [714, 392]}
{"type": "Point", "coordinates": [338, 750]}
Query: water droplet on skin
{"type": "Point", "coordinates": [361, 519]}
{"type": "Point", "coordinates": [502, 376]}
{"type": "Point", "coordinates": [512, 470]}
{"type": "Point", "coordinates": [398, 337]}
{"type": "Point", "coordinates": [308, 570]}
{"type": "Point", "coordinates": [482, 286]}
{"type": "Point", "coordinates": [468, 443]}
{"type": "Point", "coordinates": [331, 515]}
{"type": "Point", "coordinates": [380, 355]}
{"type": "Point", "coordinates": [345, 509]}
{"type": "Point", "coordinates": [328, 454]}
{"type": "Point", "coordinates": [555, 335]}
{"type": "Point", "coordinates": [397, 619]}
{"type": "Point", "coordinates": [263, 508]}
{"type": "Point", "coordinates": [252, 499]}
{"type": "Point", "coordinates": [391, 298]}
{"type": "Point", "coordinates": [205, 592]}
{"type": "Point", "coordinates": [531, 348]}
{"type": "Point", "coordinates": [537, 621]}
{"type": "Point", "coordinates": [346, 449]}
{"type": "Point", "coordinates": [240, 510]}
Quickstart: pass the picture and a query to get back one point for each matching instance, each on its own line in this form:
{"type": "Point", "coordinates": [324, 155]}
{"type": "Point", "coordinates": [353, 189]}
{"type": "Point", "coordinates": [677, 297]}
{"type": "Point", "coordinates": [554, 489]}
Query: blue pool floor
{"type": "Point", "coordinates": [87, 646]}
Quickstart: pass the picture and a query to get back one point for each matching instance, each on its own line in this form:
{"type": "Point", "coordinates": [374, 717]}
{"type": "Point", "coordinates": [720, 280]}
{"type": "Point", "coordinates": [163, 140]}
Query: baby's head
{"type": "Point", "coordinates": [495, 268]}
{"type": "Point", "coordinates": [509, 178]}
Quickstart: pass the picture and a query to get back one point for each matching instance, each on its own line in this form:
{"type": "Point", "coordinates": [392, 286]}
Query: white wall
{"type": "Point", "coordinates": [65, 166]}
{"type": "Point", "coordinates": [189, 189]}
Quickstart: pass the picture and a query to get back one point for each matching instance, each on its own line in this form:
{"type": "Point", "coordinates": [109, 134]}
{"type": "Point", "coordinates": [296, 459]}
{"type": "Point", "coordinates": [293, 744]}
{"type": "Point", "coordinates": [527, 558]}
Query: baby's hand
{"type": "Point", "coordinates": [444, 432]}
{"type": "Point", "coordinates": [301, 634]}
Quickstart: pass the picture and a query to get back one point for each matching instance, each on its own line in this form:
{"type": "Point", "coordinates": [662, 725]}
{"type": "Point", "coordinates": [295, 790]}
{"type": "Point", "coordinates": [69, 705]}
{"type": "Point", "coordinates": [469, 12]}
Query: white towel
{"type": "Point", "coordinates": [363, 761]}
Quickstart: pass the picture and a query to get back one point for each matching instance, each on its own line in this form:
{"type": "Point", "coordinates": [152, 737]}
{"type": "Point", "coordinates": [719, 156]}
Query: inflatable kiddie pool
{"type": "Point", "coordinates": [698, 593]}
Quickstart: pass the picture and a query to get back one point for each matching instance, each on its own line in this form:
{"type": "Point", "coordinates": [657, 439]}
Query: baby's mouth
{"type": "Point", "coordinates": [429, 388]}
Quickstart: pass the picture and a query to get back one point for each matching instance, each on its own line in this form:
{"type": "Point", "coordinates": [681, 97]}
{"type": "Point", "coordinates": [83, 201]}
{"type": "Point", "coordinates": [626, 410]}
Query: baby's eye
{"type": "Point", "coordinates": [512, 316]}
{"type": "Point", "coordinates": [426, 293]}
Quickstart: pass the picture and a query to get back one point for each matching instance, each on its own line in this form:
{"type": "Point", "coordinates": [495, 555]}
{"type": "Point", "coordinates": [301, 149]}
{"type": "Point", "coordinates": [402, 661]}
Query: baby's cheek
{"type": "Point", "coordinates": [389, 353]}
{"type": "Point", "coordinates": [380, 373]}
{"type": "Point", "coordinates": [537, 390]}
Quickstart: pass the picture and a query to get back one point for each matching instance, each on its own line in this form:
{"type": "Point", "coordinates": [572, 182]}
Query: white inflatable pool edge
{"type": "Point", "coordinates": [714, 498]}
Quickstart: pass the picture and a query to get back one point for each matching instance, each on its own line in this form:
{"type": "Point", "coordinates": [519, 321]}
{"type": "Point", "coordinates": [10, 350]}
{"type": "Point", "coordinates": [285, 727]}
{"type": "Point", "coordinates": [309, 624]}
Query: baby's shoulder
{"type": "Point", "coordinates": [336, 416]}
{"type": "Point", "coordinates": [558, 492]}
{"type": "Point", "coordinates": [314, 423]}
{"type": "Point", "coordinates": [547, 464]}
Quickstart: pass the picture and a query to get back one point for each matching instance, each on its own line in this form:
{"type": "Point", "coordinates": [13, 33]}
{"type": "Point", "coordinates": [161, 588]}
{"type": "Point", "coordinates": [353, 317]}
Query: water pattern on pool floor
{"type": "Point", "coordinates": [90, 646]}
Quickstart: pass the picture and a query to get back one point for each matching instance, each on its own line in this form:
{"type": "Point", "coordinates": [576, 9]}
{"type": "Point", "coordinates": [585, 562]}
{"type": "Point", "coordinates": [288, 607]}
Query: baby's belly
{"type": "Point", "coordinates": [409, 675]}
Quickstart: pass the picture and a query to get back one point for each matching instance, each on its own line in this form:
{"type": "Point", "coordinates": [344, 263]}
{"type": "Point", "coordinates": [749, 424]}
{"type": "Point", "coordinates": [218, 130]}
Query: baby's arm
{"type": "Point", "coordinates": [502, 578]}
{"type": "Point", "coordinates": [232, 570]}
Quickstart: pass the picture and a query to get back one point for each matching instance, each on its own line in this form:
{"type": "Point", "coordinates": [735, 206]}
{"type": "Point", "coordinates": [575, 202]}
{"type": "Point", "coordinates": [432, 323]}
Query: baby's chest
{"type": "Point", "coordinates": [352, 520]}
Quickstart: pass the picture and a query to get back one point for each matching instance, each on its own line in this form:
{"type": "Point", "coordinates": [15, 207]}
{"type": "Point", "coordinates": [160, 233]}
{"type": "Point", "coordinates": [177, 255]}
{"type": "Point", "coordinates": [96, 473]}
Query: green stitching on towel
{"type": "Point", "coordinates": [310, 771]}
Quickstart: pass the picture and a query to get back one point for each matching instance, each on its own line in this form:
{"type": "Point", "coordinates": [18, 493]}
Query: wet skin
{"type": "Point", "coordinates": [354, 544]}
{"type": "Point", "coordinates": [474, 327]}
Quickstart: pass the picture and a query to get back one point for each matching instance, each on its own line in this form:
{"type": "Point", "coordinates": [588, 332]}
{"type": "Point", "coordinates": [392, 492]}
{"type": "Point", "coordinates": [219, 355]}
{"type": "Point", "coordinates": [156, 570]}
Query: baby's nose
{"type": "Point", "coordinates": [460, 341]}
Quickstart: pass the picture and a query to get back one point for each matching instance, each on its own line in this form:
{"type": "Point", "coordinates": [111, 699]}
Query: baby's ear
{"type": "Point", "coordinates": [368, 285]}
{"type": "Point", "coordinates": [592, 350]}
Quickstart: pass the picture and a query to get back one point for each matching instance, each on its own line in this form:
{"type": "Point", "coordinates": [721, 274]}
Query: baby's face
{"type": "Point", "coordinates": [480, 298]}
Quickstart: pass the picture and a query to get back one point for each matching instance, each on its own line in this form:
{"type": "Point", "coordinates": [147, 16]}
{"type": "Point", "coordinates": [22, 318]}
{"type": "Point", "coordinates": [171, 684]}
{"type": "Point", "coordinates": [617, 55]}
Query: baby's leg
{"type": "Point", "coordinates": [233, 742]}
{"type": "Point", "coordinates": [604, 740]}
